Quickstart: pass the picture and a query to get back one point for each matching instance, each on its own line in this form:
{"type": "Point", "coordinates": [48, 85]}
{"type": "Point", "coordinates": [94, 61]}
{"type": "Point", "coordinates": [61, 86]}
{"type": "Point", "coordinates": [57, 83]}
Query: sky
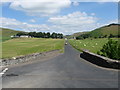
{"type": "Point", "coordinates": [58, 16]}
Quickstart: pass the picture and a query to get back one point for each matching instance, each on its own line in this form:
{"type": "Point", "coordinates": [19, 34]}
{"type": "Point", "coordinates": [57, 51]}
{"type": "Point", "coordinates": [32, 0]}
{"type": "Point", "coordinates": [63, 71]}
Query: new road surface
{"type": "Point", "coordinates": [67, 70]}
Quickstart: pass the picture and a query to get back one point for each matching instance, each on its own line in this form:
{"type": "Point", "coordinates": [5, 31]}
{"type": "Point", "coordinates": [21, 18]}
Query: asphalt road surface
{"type": "Point", "coordinates": [64, 71]}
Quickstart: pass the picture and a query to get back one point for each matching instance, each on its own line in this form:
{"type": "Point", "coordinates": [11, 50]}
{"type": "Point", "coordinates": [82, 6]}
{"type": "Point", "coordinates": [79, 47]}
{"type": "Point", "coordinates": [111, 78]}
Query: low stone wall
{"type": "Point", "coordinates": [100, 60]}
{"type": "Point", "coordinates": [22, 59]}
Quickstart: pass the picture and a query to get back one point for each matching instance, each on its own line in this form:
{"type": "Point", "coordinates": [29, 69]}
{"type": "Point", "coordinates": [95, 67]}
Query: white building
{"type": "Point", "coordinates": [22, 36]}
{"type": "Point", "coordinates": [25, 36]}
{"type": "Point", "coordinates": [14, 36]}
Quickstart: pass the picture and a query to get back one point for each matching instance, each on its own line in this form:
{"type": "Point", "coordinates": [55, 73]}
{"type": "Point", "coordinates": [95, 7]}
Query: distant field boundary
{"type": "Point", "coordinates": [100, 60]}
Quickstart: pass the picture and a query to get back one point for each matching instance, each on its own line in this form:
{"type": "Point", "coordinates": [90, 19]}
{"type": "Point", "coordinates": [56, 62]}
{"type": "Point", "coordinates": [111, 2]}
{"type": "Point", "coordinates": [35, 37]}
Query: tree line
{"type": "Point", "coordinates": [41, 34]}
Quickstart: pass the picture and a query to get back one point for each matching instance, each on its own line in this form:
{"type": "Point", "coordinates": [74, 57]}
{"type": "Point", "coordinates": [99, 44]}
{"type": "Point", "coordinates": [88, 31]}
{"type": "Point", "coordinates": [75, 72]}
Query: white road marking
{"type": "Point", "coordinates": [3, 71]}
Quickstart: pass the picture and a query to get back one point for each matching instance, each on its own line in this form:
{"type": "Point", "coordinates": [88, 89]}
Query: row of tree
{"type": "Point", "coordinates": [84, 36]}
{"type": "Point", "coordinates": [41, 34]}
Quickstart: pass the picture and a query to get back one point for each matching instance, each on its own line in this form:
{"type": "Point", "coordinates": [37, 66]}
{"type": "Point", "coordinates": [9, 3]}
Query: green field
{"type": "Point", "coordinates": [6, 33]}
{"type": "Point", "coordinates": [24, 46]}
{"type": "Point", "coordinates": [93, 45]}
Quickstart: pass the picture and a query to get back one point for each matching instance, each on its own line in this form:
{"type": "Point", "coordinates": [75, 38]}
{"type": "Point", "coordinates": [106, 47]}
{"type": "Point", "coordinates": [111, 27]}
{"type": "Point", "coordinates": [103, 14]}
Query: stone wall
{"type": "Point", "coordinates": [26, 58]}
{"type": "Point", "coordinates": [100, 60]}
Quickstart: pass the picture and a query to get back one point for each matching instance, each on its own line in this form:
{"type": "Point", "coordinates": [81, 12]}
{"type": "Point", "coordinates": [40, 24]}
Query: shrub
{"type": "Point", "coordinates": [111, 50]}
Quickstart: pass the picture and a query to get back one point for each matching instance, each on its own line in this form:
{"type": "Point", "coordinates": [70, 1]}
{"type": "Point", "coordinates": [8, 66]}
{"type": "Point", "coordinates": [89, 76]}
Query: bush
{"type": "Point", "coordinates": [111, 50]}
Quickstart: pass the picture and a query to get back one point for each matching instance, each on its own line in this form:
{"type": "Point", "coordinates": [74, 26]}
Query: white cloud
{"type": "Point", "coordinates": [40, 7]}
{"type": "Point", "coordinates": [76, 18]}
{"type": "Point", "coordinates": [75, 22]}
{"type": "Point", "coordinates": [75, 3]}
{"type": "Point", "coordinates": [95, 0]}
{"type": "Point", "coordinates": [14, 24]}
{"type": "Point", "coordinates": [69, 24]}
{"type": "Point", "coordinates": [92, 14]}
{"type": "Point", "coordinates": [70, 0]}
{"type": "Point", "coordinates": [32, 20]}
{"type": "Point", "coordinates": [113, 21]}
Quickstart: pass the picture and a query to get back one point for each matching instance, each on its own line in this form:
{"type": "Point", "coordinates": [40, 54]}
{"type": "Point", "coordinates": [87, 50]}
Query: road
{"type": "Point", "coordinates": [64, 71]}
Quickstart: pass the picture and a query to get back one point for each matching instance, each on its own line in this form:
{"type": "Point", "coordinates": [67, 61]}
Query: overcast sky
{"type": "Point", "coordinates": [59, 16]}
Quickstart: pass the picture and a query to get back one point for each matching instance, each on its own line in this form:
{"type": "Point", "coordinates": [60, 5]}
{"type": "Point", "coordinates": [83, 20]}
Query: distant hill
{"type": "Point", "coordinates": [75, 34]}
{"type": "Point", "coordinates": [6, 33]}
{"type": "Point", "coordinates": [99, 32]}
{"type": "Point", "coordinates": [105, 30]}
{"type": "Point", "coordinates": [79, 33]}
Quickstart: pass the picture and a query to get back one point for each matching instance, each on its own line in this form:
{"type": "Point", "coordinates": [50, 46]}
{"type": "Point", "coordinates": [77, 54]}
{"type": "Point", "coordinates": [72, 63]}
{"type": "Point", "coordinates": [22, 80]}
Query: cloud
{"type": "Point", "coordinates": [95, 0]}
{"type": "Point", "coordinates": [75, 3]}
{"type": "Point", "coordinates": [40, 7]}
{"type": "Point", "coordinates": [32, 20]}
{"type": "Point", "coordinates": [113, 21]}
{"type": "Point", "coordinates": [69, 24]}
{"type": "Point", "coordinates": [63, 0]}
{"type": "Point", "coordinates": [75, 22]}
{"type": "Point", "coordinates": [15, 24]}
{"type": "Point", "coordinates": [92, 14]}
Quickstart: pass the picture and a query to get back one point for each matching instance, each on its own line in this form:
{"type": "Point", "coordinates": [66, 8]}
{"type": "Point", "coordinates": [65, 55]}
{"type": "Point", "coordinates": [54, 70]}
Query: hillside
{"type": "Point", "coordinates": [105, 30]}
{"type": "Point", "coordinates": [79, 33]}
{"type": "Point", "coordinates": [75, 34]}
{"type": "Point", "coordinates": [6, 33]}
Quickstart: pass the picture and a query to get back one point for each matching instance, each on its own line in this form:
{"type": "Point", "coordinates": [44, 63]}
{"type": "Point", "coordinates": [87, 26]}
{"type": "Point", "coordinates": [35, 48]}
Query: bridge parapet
{"type": "Point", "coordinates": [100, 60]}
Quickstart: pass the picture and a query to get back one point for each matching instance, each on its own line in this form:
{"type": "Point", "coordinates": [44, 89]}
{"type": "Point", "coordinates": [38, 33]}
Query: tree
{"type": "Point", "coordinates": [105, 36]}
{"type": "Point", "coordinates": [53, 35]}
{"type": "Point", "coordinates": [79, 37]}
{"type": "Point", "coordinates": [21, 33]}
{"type": "Point", "coordinates": [48, 35]}
{"type": "Point", "coordinates": [61, 36]}
{"type": "Point", "coordinates": [111, 36]}
{"type": "Point", "coordinates": [42, 34]}
{"type": "Point", "coordinates": [111, 50]}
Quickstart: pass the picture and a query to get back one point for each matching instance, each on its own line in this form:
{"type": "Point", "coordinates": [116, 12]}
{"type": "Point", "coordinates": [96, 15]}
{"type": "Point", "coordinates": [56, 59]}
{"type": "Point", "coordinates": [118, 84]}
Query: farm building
{"type": "Point", "coordinates": [21, 36]}
{"type": "Point", "coordinates": [25, 36]}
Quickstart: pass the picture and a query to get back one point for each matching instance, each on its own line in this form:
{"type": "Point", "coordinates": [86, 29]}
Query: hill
{"type": "Point", "coordinates": [75, 34]}
{"type": "Point", "coordinates": [79, 33]}
{"type": "Point", "coordinates": [6, 33]}
{"type": "Point", "coordinates": [105, 30]}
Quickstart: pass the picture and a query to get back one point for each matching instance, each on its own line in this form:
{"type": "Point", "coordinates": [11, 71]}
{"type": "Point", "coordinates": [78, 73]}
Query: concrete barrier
{"type": "Point", "coordinates": [100, 60]}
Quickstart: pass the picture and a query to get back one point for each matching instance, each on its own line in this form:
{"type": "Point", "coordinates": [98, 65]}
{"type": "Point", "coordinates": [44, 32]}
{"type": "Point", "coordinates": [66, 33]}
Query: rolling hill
{"type": "Point", "coordinates": [6, 33]}
{"type": "Point", "coordinates": [99, 32]}
{"type": "Point", "coordinates": [75, 34]}
{"type": "Point", "coordinates": [105, 30]}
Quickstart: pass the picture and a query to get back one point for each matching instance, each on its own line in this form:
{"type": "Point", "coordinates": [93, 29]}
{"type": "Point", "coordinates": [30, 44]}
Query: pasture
{"type": "Point", "coordinates": [6, 33]}
{"type": "Point", "coordinates": [93, 45]}
{"type": "Point", "coordinates": [25, 46]}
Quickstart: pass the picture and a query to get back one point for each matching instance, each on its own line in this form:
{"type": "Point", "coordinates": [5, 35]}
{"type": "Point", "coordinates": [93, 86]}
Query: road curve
{"type": "Point", "coordinates": [64, 71]}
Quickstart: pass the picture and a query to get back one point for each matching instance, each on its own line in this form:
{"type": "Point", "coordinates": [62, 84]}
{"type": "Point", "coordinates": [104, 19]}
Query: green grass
{"type": "Point", "coordinates": [24, 46]}
{"type": "Point", "coordinates": [105, 30]}
{"type": "Point", "coordinates": [88, 44]}
{"type": "Point", "coordinates": [6, 33]}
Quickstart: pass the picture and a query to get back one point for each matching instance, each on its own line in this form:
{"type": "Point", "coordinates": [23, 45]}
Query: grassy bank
{"type": "Point", "coordinates": [6, 33]}
{"type": "Point", "coordinates": [24, 46]}
{"type": "Point", "coordinates": [93, 45]}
